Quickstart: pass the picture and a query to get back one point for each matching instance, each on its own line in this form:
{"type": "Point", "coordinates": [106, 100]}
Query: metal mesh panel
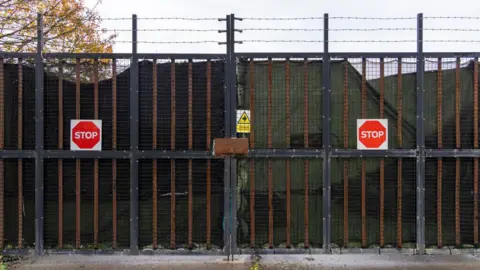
{"type": "Point", "coordinates": [19, 201]}
{"type": "Point", "coordinates": [61, 95]}
{"type": "Point", "coordinates": [450, 203]}
{"type": "Point", "coordinates": [288, 214]}
{"type": "Point", "coordinates": [61, 231]}
{"type": "Point", "coordinates": [287, 99]}
{"type": "Point", "coordinates": [206, 202]}
{"type": "Point", "coordinates": [176, 80]}
{"type": "Point", "coordinates": [356, 200]}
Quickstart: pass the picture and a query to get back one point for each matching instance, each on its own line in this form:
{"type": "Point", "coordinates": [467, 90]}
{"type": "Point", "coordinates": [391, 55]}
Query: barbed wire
{"type": "Point", "coordinates": [116, 19]}
{"type": "Point", "coordinates": [361, 29]}
{"type": "Point", "coordinates": [182, 18]}
{"type": "Point", "coordinates": [452, 17]}
{"type": "Point", "coordinates": [370, 18]}
{"type": "Point", "coordinates": [269, 18]}
{"type": "Point", "coordinates": [162, 30]}
{"type": "Point", "coordinates": [163, 18]}
{"type": "Point", "coordinates": [321, 18]}
{"type": "Point", "coordinates": [172, 42]}
{"type": "Point", "coordinates": [283, 29]}
{"type": "Point", "coordinates": [356, 18]}
{"type": "Point", "coordinates": [279, 18]}
{"type": "Point", "coordinates": [353, 41]}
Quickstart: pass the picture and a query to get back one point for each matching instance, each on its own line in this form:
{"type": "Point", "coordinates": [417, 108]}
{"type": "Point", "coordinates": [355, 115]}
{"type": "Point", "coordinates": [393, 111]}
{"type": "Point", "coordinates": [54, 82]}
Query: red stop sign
{"type": "Point", "coordinates": [372, 134]}
{"type": "Point", "coordinates": [86, 135]}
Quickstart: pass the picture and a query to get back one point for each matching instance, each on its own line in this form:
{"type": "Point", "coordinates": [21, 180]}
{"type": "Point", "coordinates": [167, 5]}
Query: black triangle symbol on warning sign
{"type": "Point", "coordinates": [244, 119]}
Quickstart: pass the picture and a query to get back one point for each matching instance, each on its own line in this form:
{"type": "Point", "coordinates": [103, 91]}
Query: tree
{"type": "Point", "coordinates": [68, 26]}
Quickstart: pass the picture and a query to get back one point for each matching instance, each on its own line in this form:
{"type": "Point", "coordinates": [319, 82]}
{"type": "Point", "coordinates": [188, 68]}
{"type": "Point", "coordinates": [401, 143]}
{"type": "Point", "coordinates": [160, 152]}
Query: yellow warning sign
{"type": "Point", "coordinates": [243, 121]}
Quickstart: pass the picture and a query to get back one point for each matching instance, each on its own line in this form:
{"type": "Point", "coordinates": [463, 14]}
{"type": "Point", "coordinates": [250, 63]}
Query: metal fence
{"type": "Point", "coordinates": [304, 187]}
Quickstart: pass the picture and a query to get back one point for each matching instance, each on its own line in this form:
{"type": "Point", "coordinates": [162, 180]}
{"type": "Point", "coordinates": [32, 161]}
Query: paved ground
{"type": "Point", "coordinates": [357, 261]}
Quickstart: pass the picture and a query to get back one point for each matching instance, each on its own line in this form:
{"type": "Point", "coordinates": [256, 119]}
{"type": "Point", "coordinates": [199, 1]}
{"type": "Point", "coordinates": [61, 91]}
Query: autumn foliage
{"type": "Point", "coordinates": [69, 26]}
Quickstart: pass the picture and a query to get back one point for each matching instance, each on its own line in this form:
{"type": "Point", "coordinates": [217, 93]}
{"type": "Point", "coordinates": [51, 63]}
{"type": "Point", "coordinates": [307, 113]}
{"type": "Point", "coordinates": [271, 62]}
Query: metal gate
{"type": "Point", "coordinates": [301, 185]}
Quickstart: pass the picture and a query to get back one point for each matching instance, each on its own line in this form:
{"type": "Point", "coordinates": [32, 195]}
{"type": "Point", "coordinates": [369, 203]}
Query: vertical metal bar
{"type": "Point", "coordinates": [77, 161]}
{"type": "Point", "coordinates": [363, 173]}
{"type": "Point", "coordinates": [19, 147]}
{"type": "Point", "coordinates": [345, 146]}
{"type": "Point", "coordinates": [60, 161]}
{"type": "Point", "coordinates": [458, 146]}
{"type": "Point", "coordinates": [95, 161]}
{"type": "Point", "coordinates": [172, 147]}
{"type": "Point", "coordinates": [114, 147]}
{"type": "Point", "coordinates": [252, 146]}
{"type": "Point", "coordinates": [306, 162]}
{"type": "Point", "coordinates": [39, 128]}
{"type": "Point", "coordinates": [400, 161]}
{"type": "Point", "coordinates": [269, 145]}
{"type": "Point", "coordinates": [420, 166]}
{"type": "Point", "coordinates": [227, 160]}
{"type": "Point", "coordinates": [134, 110]}
{"type": "Point", "coordinates": [190, 147]}
{"type": "Point", "coordinates": [209, 143]}
{"type": "Point", "coordinates": [475, 145]}
{"type": "Point", "coordinates": [154, 165]}
{"type": "Point", "coordinates": [327, 182]}
{"type": "Point", "coordinates": [382, 161]}
{"type": "Point", "coordinates": [233, 166]}
{"type": "Point", "coordinates": [2, 146]}
{"type": "Point", "coordinates": [440, 146]}
{"type": "Point", "coordinates": [287, 139]}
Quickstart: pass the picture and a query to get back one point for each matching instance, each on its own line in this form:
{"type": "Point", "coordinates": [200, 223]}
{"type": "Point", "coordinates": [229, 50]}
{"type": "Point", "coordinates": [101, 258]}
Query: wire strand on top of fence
{"type": "Point", "coordinates": [453, 17]}
{"type": "Point", "coordinates": [321, 18]}
{"type": "Point", "coordinates": [172, 42]}
{"type": "Point", "coordinates": [182, 18]}
{"type": "Point", "coordinates": [352, 41]}
{"type": "Point", "coordinates": [164, 30]}
{"type": "Point", "coordinates": [362, 29]}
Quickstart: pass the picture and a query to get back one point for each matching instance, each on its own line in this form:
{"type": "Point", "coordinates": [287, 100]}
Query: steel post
{"type": "Point", "coordinates": [134, 77]}
{"type": "Point", "coordinates": [327, 210]}
{"type": "Point", "coordinates": [39, 128]}
{"type": "Point", "coordinates": [420, 167]}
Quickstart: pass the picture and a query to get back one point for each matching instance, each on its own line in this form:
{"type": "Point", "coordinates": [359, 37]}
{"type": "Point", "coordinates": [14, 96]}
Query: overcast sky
{"type": "Point", "coordinates": [294, 8]}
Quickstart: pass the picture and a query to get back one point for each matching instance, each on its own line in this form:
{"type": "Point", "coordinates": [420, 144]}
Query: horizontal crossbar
{"type": "Point", "coordinates": [455, 153]}
{"type": "Point", "coordinates": [392, 153]}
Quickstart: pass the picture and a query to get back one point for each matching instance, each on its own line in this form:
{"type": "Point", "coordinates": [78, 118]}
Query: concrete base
{"type": "Point", "coordinates": [280, 261]}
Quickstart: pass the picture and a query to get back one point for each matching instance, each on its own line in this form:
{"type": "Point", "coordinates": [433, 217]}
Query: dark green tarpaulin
{"type": "Point", "coordinates": [354, 82]}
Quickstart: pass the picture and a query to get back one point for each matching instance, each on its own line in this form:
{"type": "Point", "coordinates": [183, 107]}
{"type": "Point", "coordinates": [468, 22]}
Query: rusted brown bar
{"type": "Point", "coordinates": [439, 146]}
{"type": "Point", "coordinates": [77, 162]}
{"type": "Point", "coordinates": [306, 162]}
{"type": "Point", "coordinates": [172, 162]}
{"type": "Point", "coordinates": [20, 146]}
{"type": "Point", "coordinates": [2, 145]}
{"type": "Point", "coordinates": [382, 161]}
{"type": "Point", "coordinates": [269, 142]}
{"type": "Point", "coordinates": [190, 146]}
{"type": "Point", "coordinates": [209, 143]}
{"type": "Point", "coordinates": [154, 165]}
{"type": "Point", "coordinates": [457, 145]}
{"type": "Point", "coordinates": [252, 146]}
{"type": "Point", "coordinates": [475, 145]}
{"type": "Point", "coordinates": [345, 162]}
{"type": "Point", "coordinates": [60, 161]}
{"type": "Point", "coordinates": [114, 147]}
{"type": "Point", "coordinates": [363, 176]}
{"type": "Point", "coordinates": [287, 139]}
{"type": "Point", "coordinates": [400, 161]}
{"type": "Point", "coordinates": [95, 161]}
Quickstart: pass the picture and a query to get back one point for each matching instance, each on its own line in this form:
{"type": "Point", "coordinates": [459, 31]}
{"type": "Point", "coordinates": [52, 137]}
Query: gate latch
{"type": "Point", "coordinates": [230, 147]}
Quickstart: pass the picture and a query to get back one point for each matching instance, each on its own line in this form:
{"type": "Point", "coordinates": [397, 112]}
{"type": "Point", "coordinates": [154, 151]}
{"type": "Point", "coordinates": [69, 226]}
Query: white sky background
{"type": "Point", "coordinates": [293, 8]}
